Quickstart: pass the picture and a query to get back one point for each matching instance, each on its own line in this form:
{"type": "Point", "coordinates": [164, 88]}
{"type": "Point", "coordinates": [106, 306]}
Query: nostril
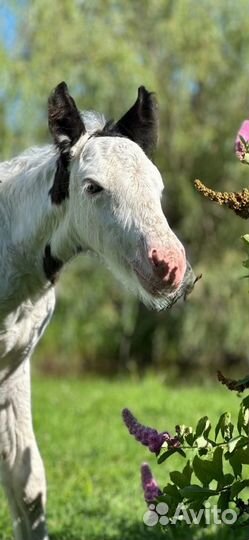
{"type": "Point", "coordinates": [158, 260]}
{"type": "Point", "coordinates": [155, 258]}
{"type": "Point", "coordinates": [168, 265]}
{"type": "Point", "coordinates": [160, 264]}
{"type": "Point", "coordinates": [172, 275]}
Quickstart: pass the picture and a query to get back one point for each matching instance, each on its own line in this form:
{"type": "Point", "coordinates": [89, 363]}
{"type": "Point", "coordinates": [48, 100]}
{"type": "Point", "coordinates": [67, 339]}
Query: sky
{"type": "Point", "coordinates": [7, 24]}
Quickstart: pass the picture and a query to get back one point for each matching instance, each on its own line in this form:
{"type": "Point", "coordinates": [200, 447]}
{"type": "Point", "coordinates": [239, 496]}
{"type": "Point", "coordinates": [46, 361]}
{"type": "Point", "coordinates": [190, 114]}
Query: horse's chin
{"type": "Point", "coordinates": [153, 293]}
{"type": "Point", "coordinates": [158, 300]}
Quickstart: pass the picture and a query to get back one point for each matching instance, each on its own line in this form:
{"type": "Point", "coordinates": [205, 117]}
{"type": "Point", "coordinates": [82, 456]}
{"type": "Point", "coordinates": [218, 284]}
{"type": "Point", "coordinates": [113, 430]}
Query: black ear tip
{"type": "Point", "coordinates": [62, 86]}
{"type": "Point", "coordinates": [142, 92]}
{"type": "Point", "coordinates": [145, 96]}
{"type": "Point", "coordinates": [60, 90]}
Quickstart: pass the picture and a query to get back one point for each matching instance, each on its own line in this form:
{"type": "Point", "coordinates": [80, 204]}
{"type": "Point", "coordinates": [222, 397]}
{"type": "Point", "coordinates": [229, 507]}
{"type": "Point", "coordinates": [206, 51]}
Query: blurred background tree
{"type": "Point", "coordinates": [195, 56]}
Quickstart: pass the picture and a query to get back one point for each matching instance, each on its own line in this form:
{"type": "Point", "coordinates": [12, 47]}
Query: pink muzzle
{"type": "Point", "coordinates": [168, 265]}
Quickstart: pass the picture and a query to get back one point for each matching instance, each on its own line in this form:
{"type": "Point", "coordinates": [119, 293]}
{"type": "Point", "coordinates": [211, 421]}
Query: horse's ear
{"type": "Point", "coordinates": [66, 127]}
{"type": "Point", "coordinates": [141, 122]}
{"type": "Point", "coordinates": [64, 120]}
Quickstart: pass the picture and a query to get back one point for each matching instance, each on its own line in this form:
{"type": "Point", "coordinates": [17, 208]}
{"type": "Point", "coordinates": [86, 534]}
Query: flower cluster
{"type": "Point", "coordinates": [242, 142]}
{"type": "Point", "coordinates": [149, 484]}
{"type": "Point", "coordinates": [148, 436]}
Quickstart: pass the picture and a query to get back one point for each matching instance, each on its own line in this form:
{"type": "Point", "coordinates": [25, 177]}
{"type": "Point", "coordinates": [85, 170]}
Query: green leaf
{"type": "Point", "coordinates": [208, 470]}
{"type": "Point", "coordinates": [218, 426]}
{"type": "Point", "coordinates": [165, 455]}
{"type": "Point", "coordinates": [235, 463]}
{"type": "Point", "coordinates": [226, 481]}
{"type": "Point", "coordinates": [180, 430]}
{"type": "Point", "coordinates": [238, 486]}
{"type": "Point", "coordinates": [178, 479]}
{"type": "Point", "coordinates": [223, 500]}
{"type": "Point", "coordinates": [217, 464]}
{"type": "Point", "coordinates": [197, 492]}
{"type": "Point", "coordinates": [181, 452]}
{"type": "Point", "coordinates": [233, 443]}
{"type": "Point", "coordinates": [187, 471]}
{"type": "Point", "coordinates": [224, 426]}
{"type": "Point", "coordinates": [203, 470]}
{"type": "Point", "coordinates": [172, 491]}
{"type": "Point", "coordinates": [243, 416]}
{"type": "Point", "coordinates": [203, 427]}
{"type": "Point", "coordinates": [182, 479]}
{"type": "Point", "coordinates": [245, 402]}
{"type": "Point", "coordinates": [185, 434]}
{"type": "Point", "coordinates": [243, 455]}
{"type": "Point", "coordinates": [189, 438]}
{"type": "Point", "coordinates": [245, 239]}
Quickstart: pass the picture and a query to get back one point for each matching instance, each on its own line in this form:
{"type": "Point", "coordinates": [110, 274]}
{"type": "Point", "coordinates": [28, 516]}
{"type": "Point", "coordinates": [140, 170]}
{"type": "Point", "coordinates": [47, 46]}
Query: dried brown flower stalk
{"type": "Point", "coordinates": [237, 201]}
{"type": "Point", "coordinates": [233, 384]}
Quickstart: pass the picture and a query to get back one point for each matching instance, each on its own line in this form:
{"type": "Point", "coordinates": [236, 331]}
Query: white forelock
{"type": "Point", "coordinates": [93, 121]}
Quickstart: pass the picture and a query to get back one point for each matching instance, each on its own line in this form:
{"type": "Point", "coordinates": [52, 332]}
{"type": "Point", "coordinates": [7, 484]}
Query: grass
{"type": "Point", "coordinates": [93, 464]}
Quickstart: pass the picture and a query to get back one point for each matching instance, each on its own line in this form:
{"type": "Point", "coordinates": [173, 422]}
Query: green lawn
{"type": "Point", "coordinates": [93, 463]}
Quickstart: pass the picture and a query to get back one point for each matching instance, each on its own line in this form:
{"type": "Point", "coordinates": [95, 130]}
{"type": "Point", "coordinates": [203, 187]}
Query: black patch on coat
{"type": "Point", "coordinates": [60, 188]}
{"type": "Point", "coordinates": [66, 126]}
{"type": "Point", "coordinates": [51, 265]}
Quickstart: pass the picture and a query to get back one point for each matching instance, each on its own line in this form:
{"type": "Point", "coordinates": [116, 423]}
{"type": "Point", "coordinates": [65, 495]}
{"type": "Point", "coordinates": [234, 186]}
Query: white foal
{"type": "Point", "coordinates": [95, 190]}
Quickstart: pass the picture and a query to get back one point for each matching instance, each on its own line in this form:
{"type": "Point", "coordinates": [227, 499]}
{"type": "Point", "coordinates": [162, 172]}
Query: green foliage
{"type": "Point", "coordinates": [219, 463]}
{"type": "Point", "coordinates": [94, 491]}
{"type": "Point", "coordinates": [216, 467]}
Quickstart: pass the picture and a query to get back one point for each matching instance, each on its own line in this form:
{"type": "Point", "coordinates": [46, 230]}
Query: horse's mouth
{"type": "Point", "coordinates": [154, 287]}
{"type": "Point", "coordinates": [163, 295]}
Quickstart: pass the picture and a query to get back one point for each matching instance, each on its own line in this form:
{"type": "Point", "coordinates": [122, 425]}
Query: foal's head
{"type": "Point", "coordinates": [114, 197]}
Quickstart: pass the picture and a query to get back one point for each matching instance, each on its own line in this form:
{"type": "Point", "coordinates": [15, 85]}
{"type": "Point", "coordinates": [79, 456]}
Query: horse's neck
{"type": "Point", "coordinates": [29, 222]}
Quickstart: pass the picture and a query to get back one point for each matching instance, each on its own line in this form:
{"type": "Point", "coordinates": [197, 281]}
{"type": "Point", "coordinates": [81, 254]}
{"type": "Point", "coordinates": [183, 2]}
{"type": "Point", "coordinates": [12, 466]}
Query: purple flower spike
{"type": "Point", "coordinates": [146, 435]}
{"type": "Point", "coordinates": [242, 142]}
{"type": "Point", "coordinates": [149, 484]}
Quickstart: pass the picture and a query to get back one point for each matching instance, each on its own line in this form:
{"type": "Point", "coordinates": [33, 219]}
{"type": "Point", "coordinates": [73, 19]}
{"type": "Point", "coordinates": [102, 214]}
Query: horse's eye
{"type": "Point", "coordinates": [92, 188]}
